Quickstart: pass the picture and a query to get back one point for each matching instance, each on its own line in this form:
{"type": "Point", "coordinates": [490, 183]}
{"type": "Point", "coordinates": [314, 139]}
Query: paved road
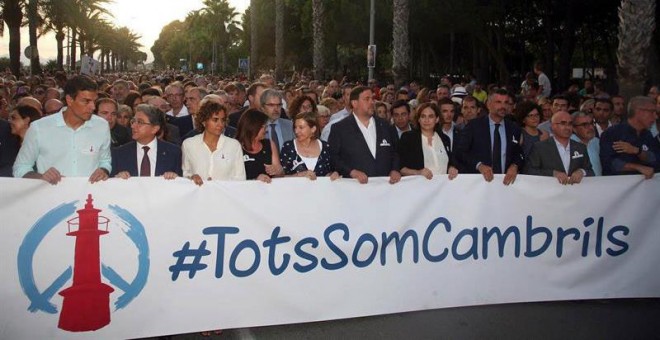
{"type": "Point", "coordinates": [594, 319]}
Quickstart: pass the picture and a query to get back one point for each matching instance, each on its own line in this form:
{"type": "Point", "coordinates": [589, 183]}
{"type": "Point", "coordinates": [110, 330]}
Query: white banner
{"type": "Point", "coordinates": [178, 258]}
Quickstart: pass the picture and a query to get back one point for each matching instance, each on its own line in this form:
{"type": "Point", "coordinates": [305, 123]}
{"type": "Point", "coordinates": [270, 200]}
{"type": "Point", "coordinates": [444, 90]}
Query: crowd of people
{"type": "Point", "coordinates": [204, 128]}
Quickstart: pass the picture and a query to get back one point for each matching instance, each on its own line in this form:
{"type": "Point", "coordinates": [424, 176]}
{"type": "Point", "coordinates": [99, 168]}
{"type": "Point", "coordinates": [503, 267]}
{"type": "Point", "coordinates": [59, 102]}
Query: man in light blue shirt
{"type": "Point", "coordinates": [585, 133]}
{"type": "Point", "coordinates": [70, 143]}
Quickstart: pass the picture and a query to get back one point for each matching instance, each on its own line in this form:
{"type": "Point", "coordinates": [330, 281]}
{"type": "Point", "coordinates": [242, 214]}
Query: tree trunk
{"type": "Point", "coordinates": [318, 27]}
{"type": "Point", "coordinates": [636, 26]}
{"type": "Point", "coordinates": [400, 42]}
{"type": "Point", "coordinates": [254, 39]}
{"type": "Point", "coordinates": [279, 39]}
{"type": "Point", "coordinates": [73, 50]}
{"type": "Point", "coordinates": [13, 15]}
{"type": "Point", "coordinates": [35, 66]}
{"type": "Point", "coordinates": [59, 37]}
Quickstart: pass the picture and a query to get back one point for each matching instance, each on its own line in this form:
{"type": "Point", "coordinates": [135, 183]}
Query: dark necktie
{"type": "Point", "coordinates": [145, 167]}
{"type": "Point", "coordinates": [497, 151]}
{"type": "Point", "coordinates": [273, 135]}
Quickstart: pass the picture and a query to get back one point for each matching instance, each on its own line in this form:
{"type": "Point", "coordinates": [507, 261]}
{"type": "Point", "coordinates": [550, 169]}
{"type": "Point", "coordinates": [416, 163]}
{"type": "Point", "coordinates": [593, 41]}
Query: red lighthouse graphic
{"type": "Point", "coordinates": [86, 304]}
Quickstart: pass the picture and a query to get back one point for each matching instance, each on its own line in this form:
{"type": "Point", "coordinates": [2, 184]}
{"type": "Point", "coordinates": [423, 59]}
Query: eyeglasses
{"type": "Point", "coordinates": [274, 104]}
{"type": "Point", "coordinates": [139, 122]}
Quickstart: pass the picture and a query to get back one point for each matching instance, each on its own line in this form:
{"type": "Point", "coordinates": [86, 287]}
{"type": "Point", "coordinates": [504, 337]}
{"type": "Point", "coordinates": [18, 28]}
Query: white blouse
{"type": "Point", "coordinates": [225, 163]}
{"type": "Point", "coordinates": [435, 155]}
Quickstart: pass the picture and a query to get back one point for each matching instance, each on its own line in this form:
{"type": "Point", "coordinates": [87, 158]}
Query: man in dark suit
{"type": "Point", "coordinates": [361, 144]}
{"type": "Point", "coordinates": [490, 144]}
{"type": "Point", "coordinates": [401, 116]}
{"type": "Point", "coordinates": [559, 156]}
{"type": "Point", "coordinates": [147, 155]}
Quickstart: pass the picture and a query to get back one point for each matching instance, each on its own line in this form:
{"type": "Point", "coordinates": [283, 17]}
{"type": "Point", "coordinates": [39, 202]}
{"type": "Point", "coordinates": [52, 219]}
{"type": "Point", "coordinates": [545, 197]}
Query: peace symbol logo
{"type": "Point", "coordinates": [86, 304]}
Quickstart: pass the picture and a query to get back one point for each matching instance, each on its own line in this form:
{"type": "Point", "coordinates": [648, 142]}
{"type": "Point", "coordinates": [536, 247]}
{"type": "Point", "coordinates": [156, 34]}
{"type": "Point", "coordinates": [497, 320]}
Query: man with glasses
{"type": "Point", "coordinates": [278, 130]}
{"type": "Point", "coordinates": [174, 95]}
{"type": "Point", "coordinates": [559, 156]}
{"type": "Point", "coordinates": [72, 143]}
{"type": "Point", "coordinates": [629, 147]}
{"type": "Point", "coordinates": [585, 133]}
{"type": "Point", "coordinates": [146, 155]}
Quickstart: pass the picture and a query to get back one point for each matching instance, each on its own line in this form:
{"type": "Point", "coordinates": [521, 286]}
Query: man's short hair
{"type": "Point", "coordinates": [638, 101]}
{"type": "Point", "coordinates": [399, 103]}
{"type": "Point", "coordinates": [357, 91]}
{"type": "Point", "coordinates": [501, 92]}
{"type": "Point", "coordinates": [101, 101]}
{"type": "Point", "coordinates": [79, 83]}
{"type": "Point", "coordinates": [252, 90]}
{"type": "Point", "coordinates": [267, 94]}
{"type": "Point", "coordinates": [606, 101]}
{"type": "Point", "coordinates": [156, 117]}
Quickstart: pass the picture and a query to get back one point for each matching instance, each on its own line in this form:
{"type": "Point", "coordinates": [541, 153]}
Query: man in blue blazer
{"type": "Point", "coordinates": [475, 148]}
{"type": "Point", "coordinates": [147, 155]}
{"type": "Point", "coordinates": [361, 145]}
{"type": "Point", "coordinates": [278, 129]}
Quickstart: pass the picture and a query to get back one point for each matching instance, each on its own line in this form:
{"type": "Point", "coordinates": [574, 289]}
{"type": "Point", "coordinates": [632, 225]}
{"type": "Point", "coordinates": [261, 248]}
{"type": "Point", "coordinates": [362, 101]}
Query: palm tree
{"type": "Point", "coordinates": [12, 15]}
{"type": "Point", "coordinates": [636, 26]}
{"type": "Point", "coordinates": [318, 27]}
{"type": "Point", "coordinates": [225, 26]}
{"type": "Point", "coordinates": [400, 43]}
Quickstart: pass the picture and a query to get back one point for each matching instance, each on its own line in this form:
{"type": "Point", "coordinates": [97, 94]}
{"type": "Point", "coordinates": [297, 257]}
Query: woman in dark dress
{"type": "Point", "coordinates": [306, 155]}
{"type": "Point", "coordinates": [426, 151]}
{"type": "Point", "coordinates": [260, 155]}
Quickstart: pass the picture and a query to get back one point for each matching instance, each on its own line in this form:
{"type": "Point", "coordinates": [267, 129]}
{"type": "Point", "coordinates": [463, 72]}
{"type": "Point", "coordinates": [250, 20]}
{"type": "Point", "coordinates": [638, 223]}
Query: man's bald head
{"type": "Point", "coordinates": [52, 106]}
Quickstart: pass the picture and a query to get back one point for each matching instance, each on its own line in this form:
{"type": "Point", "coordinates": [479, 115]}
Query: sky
{"type": "Point", "coordinates": [144, 17]}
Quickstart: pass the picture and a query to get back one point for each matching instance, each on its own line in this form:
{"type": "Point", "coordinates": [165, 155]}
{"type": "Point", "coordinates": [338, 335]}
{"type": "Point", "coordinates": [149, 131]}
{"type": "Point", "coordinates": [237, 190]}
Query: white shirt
{"type": "Point", "coordinates": [369, 133]}
{"type": "Point", "coordinates": [450, 134]}
{"type": "Point", "coordinates": [435, 157]}
{"type": "Point", "coordinates": [153, 151]}
{"type": "Point", "coordinates": [544, 81]}
{"type": "Point", "coordinates": [183, 112]}
{"type": "Point", "coordinates": [564, 154]}
{"type": "Point", "coordinates": [225, 163]}
{"type": "Point", "coordinates": [310, 162]}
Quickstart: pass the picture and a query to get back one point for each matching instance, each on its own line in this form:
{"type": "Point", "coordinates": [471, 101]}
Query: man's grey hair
{"type": "Point", "coordinates": [638, 101]}
{"type": "Point", "coordinates": [267, 94]}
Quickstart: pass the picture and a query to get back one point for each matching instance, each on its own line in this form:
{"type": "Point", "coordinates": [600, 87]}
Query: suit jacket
{"type": "Point", "coordinates": [474, 145]}
{"type": "Point", "coordinates": [410, 151]}
{"type": "Point", "coordinates": [544, 159]}
{"type": "Point", "coordinates": [173, 134]}
{"type": "Point", "coordinates": [286, 126]}
{"type": "Point", "coordinates": [124, 158]}
{"type": "Point", "coordinates": [350, 151]}
{"type": "Point", "coordinates": [9, 145]}
{"type": "Point", "coordinates": [185, 124]}
{"type": "Point", "coordinates": [234, 117]}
